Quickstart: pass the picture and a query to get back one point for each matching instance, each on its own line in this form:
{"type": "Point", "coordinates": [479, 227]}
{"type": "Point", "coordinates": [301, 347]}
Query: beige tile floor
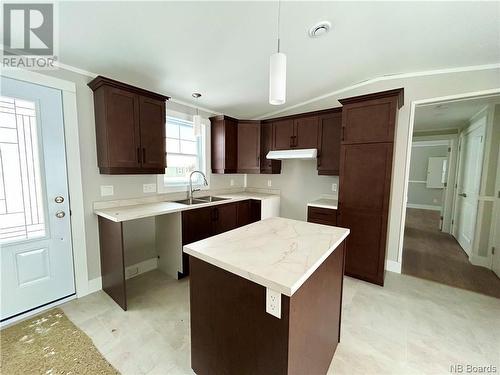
{"type": "Point", "coordinates": [411, 326]}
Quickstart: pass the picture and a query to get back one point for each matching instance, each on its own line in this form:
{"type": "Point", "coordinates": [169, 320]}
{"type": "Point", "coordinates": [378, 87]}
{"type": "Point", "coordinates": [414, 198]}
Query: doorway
{"type": "Point", "coordinates": [450, 224]}
{"type": "Point", "coordinates": [36, 253]}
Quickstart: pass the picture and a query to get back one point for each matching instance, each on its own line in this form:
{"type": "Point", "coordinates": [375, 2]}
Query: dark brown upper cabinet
{"type": "Point", "coordinates": [248, 146]}
{"type": "Point", "coordinates": [130, 128]}
{"type": "Point", "coordinates": [266, 144]}
{"type": "Point", "coordinates": [370, 118]}
{"type": "Point", "coordinates": [295, 133]}
{"type": "Point", "coordinates": [329, 143]}
{"type": "Point", "coordinates": [306, 132]}
{"type": "Point", "coordinates": [224, 144]}
{"type": "Point", "coordinates": [283, 134]}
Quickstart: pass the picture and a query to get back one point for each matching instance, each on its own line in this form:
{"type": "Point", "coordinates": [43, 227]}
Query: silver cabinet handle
{"type": "Point", "coordinates": [59, 199]}
{"type": "Point", "coordinates": [60, 214]}
{"type": "Point", "coordinates": [463, 195]}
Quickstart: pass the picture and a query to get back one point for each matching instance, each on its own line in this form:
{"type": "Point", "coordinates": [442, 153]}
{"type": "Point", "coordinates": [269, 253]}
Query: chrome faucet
{"type": "Point", "coordinates": [191, 190]}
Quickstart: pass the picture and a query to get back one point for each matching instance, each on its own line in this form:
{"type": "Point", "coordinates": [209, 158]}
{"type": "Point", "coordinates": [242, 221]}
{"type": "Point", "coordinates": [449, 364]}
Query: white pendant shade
{"type": "Point", "coordinates": [277, 78]}
{"type": "Point", "coordinates": [197, 125]}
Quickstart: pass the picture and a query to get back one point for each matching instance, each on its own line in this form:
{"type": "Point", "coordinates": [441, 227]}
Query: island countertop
{"type": "Point", "coordinates": [276, 253]}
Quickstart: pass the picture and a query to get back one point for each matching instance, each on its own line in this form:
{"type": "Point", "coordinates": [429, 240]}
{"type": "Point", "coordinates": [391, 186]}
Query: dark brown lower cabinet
{"type": "Point", "coordinates": [320, 215]}
{"type": "Point", "coordinates": [204, 222]}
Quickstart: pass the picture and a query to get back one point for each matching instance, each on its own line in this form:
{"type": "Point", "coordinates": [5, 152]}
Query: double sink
{"type": "Point", "coordinates": [201, 200]}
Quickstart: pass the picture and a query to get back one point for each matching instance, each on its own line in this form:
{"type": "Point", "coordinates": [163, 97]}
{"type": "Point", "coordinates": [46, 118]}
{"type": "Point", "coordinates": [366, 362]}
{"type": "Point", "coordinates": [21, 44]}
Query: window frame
{"type": "Point", "coordinates": [203, 150]}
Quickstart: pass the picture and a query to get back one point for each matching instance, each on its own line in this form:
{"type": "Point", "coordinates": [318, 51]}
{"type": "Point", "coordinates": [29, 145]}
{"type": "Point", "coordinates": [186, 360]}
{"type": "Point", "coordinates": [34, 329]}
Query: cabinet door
{"type": "Point", "coordinates": [248, 147]}
{"type": "Point", "coordinates": [123, 135]}
{"type": "Point", "coordinates": [365, 179]}
{"type": "Point", "coordinates": [329, 144]}
{"type": "Point", "coordinates": [231, 146]}
{"type": "Point", "coordinates": [244, 213]}
{"type": "Point", "coordinates": [306, 132]}
{"type": "Point", "coordinates": [266, 144]}
{"type": "Point", "coordinates": [196, 224]}
{"type": "Point", "coordinates": [369, 121]}
{"type": "Point", "coordinates": [283, 135]}
{"type": "Point", "coordinates": [225, 217]}
{"type": "Point", "coordinates": [152, 119]}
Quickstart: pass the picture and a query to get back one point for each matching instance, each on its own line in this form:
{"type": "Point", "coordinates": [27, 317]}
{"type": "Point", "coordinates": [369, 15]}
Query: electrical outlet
{"type": "Point", "coordinates": [273, 303]}
{"type": "Point", "coordinates": [269, 183]}
{"type": "Point", "coordinates": [149, 188]}
{"type": "Point", "coordinates": [231, 182]}
{"type": "Point", "coordinates": [107, 190]}
{"type": "Point", "coordinates": [334, 188]}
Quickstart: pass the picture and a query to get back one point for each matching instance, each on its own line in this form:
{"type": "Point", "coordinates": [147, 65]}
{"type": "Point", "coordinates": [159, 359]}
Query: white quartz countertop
{"type": "Point", "coordinates": [138, 211]}
{"type": "Point", "coordinates": [331, 204]}
{"type": "Point", "coordinates": [276, 253]}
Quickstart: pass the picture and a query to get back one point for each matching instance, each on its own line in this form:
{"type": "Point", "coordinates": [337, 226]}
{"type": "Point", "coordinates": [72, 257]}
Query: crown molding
{"type": "Point", "coordinates": [386, 77]}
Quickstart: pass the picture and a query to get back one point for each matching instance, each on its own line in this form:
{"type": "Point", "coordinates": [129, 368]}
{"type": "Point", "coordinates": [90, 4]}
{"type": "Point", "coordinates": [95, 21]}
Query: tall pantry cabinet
{"type": "Point", "coordinates": [366, 151]}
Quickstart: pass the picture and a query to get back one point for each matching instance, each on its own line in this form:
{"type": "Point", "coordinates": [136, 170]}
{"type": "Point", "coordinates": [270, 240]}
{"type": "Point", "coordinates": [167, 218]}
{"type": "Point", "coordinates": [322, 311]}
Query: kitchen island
{"type": "Point", "coordinates": [266, 298]}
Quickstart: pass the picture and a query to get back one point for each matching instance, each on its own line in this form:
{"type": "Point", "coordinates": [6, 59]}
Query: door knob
{"type": "Point", "coordinates": [60, 214]}
{"type": "Point", "coordinates": [59, 199]}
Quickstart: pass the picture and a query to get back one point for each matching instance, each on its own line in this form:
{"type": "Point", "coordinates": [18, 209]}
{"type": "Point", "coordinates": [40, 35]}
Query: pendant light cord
{"type": "Point", "coordinates": [279, 13]}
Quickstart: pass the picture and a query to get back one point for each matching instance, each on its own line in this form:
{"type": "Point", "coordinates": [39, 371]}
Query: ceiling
{"type": "Point", "coordinates": [222, 49]}
{"type": "Point", "coordinates": [450, 115]}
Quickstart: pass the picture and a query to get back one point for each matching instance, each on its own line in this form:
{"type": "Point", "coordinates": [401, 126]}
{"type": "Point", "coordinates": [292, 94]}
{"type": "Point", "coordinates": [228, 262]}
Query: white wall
{"type": "Point", "coordinates": [418, 192]}
{"type": "Point", "coordinates": [299, 183]}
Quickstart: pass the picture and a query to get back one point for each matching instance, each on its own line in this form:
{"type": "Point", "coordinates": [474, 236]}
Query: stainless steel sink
{"type": "Point", "coordinates": [190, 202]}
{"type": "Point", "coordinates": [211, 198]}
{"type": "Point", "coordinates": [201, 200]}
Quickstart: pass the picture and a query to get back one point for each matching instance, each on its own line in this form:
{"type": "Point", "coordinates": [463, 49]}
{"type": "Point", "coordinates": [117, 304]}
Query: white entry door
{"type": "Point", "coordinates": [495, 261]}
{"type": "Point", "coordinates": [36, 256]}
{"type": "Point", "coordinates": [469, 181]}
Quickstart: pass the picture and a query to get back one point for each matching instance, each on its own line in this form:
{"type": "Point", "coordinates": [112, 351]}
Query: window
{"type": "Point", "coordinates": [185, 153]}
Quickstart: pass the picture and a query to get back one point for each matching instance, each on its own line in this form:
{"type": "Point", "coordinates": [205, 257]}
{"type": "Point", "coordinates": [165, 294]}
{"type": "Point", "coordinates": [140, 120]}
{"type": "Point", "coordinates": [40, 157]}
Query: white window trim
{"type": "Point", "coordinates": [161, 187]}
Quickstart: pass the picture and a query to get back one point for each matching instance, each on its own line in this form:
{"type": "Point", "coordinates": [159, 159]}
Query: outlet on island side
{"type": "Point", "coordinates": [269, 183]}
{"type": "Point", "coordinates": [273, 303]}
{"type": "Point", "coordinates": [334, 187]}
{"type": "Point", "coordinates": [231, 182]}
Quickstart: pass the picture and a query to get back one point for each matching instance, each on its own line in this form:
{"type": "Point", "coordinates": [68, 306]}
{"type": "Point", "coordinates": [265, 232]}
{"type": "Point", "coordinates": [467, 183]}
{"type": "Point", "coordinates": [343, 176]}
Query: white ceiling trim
{"type": "Point", "coordinates": [379, 79]}
{"type": "Point", "coordinates": [83, 72]}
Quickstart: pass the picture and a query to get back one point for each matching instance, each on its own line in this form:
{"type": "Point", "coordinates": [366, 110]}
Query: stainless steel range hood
{"type": "Point", "coordinates": [304, 154]}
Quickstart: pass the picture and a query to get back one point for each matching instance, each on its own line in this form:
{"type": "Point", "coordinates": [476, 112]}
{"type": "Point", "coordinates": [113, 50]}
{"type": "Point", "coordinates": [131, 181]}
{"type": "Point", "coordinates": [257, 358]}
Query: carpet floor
{"type": "Point", "coordinates": [50, 344]}
{"type": "Point", "coordinates": [431, 254]}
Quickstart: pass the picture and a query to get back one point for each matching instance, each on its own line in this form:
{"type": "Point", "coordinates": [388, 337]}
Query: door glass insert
{"type": "Point", "coordinates": [21, 196]}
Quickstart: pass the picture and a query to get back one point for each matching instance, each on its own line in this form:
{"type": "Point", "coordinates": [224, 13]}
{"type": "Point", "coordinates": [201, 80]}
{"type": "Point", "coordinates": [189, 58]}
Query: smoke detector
{"type": "Point", "coordinates": [320, 29]}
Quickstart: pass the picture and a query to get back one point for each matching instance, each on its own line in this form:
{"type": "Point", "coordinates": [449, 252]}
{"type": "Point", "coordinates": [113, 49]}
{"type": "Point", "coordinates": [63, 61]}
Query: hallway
{"type": "Point", "coordinates": [430, 254]}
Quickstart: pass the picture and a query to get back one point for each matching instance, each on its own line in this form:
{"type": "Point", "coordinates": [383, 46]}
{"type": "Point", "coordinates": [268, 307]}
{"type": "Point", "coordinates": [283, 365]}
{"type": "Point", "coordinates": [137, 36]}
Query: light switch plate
{"type": "Point", "coordinates": [149, 188]}
{"type": "Point", "coordinates": [273, 303]}
{"type": "Point", "coordinates": [107, 190]}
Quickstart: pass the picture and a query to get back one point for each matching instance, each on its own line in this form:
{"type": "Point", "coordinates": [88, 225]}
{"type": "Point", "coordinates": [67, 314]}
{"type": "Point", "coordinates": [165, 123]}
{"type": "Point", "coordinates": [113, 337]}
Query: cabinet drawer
{"type": "Point", "coordinates": [326, 216]}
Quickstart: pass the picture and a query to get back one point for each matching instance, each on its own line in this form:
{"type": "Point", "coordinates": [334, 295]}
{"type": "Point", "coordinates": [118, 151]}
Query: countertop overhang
{"type": "Point", "coordinates": [276, 253]}
{"type": "Point", "coordinates": [139, 211]}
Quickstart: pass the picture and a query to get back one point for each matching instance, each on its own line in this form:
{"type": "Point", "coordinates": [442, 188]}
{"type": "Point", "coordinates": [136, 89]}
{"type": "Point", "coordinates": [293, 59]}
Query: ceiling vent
{"type": "Point", "coordinates": [320, 29]}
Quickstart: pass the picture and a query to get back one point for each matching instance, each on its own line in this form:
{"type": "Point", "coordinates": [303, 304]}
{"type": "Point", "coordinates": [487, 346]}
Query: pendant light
{"type": "Point", "coordinates": [196, 118]}
{"type": "Point", "coordinates": [277, 72]}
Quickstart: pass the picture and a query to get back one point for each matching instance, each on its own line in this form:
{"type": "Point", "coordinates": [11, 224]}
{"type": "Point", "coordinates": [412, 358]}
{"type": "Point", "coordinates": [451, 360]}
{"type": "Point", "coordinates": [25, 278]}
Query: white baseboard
{"type": "Point", "coordinates": [94, 285]}
{"type": "Point", "coordinates": [393, 266]}
{"type": "Point", "coordinates": [478, 260]}
{"type": "Point", "coordinates": [424, 206]}
{"type": "Point", "coordinates": [141, 267]}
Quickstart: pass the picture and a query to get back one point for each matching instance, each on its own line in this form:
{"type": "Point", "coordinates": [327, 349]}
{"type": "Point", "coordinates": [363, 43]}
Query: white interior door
{"type": "Point", "coordinates": [469, 181]}
{"type": "Point", "coordinates": [36, 256]}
